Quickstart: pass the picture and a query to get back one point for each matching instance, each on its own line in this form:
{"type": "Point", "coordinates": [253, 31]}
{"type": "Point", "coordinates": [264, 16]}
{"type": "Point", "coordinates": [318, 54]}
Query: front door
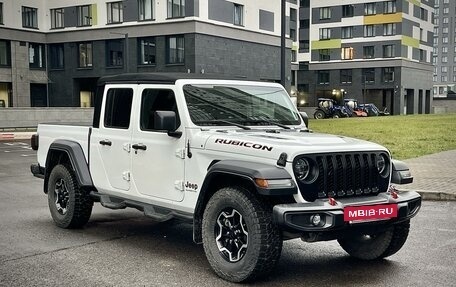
{"type": "Point", "coordinates": [110, 143]}
{"type": "Point", "coordinates": [157, 164]}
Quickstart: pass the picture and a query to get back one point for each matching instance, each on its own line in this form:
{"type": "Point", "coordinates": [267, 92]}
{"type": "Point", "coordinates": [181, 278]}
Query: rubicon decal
{"type": "Point", "coordinates": [244, 144]}
{"type": "Point", "coordinates": [382, 211]}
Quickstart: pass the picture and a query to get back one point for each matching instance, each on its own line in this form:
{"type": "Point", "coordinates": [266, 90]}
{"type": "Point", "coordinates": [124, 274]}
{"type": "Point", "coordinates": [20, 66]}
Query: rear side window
{"type": "Point", "coordinates": [118, 108]}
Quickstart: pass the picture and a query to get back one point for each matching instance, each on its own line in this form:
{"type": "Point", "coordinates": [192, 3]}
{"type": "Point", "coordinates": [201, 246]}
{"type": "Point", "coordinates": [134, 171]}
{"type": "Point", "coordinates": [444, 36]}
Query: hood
{"type": "Point", "coordinates": [270, 144]}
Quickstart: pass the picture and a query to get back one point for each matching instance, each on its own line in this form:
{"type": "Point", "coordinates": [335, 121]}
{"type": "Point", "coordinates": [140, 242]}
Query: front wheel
{"type": "Point", "coordinates": [240, 240]}
{"type": "Point", "coordinates": [319, 114]}
{"type": "Point", "coordinates": [70, 206]}
{"type": "Point", "coordinates": [377, 245]}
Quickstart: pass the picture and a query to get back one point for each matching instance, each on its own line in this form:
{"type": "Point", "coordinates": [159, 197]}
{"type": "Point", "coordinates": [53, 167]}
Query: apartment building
{"type": "Point", "coordinates": [53, 51]}
{"type": "Point", "coordinates": [375, 51]}
{"type": "Point", "coordinates": [444, 56]}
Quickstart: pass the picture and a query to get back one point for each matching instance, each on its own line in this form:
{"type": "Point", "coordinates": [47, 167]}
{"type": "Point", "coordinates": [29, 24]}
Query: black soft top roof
{"type": "Point", "coordinates": [158, 78]}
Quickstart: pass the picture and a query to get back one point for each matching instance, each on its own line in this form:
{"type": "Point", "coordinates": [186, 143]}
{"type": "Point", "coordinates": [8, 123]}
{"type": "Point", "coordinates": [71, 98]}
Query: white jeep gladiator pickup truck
{"type": "Point", "coordinates": [234, 158]}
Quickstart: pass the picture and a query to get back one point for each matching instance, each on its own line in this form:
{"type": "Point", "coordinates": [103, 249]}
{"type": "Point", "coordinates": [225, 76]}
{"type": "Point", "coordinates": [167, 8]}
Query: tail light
{"type": "Point", "coordinates": [34, 141]}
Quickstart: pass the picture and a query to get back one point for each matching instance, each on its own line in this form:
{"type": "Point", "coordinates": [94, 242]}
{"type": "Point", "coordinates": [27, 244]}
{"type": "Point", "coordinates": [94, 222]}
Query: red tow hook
{"type": "Point", "coordinates": [332, 201]}
{"type": "Point", "coordinates": [393, 192]}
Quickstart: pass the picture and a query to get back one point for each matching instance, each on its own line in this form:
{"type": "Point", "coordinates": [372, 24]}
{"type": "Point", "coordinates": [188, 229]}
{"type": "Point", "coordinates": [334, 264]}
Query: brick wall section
{"type": "Point", "coordinates": [31, 117]}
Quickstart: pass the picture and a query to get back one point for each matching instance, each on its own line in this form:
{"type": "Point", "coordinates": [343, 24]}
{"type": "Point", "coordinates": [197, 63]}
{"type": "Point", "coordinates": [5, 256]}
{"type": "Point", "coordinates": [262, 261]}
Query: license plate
{"type": "Point", "coordinates": [370, 212]}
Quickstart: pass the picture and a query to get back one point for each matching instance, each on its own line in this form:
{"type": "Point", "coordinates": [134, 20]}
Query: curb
{"type": "Point", "coordinates": [4, 136]}
{"type": "Point", "coordinates": [434, 195]}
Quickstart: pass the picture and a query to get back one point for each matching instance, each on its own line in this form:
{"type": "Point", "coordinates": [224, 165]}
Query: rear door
{"type": "Point", "coordinates": [158, 165]}
{"type": "Point", "coordinates": [110, 162]}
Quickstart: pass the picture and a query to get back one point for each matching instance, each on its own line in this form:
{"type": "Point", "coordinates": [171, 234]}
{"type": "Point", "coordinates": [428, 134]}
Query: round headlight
{"type": "Point", "coordinates": [381, 163]}
{"type": "Point", "coordinates": [302, 168]}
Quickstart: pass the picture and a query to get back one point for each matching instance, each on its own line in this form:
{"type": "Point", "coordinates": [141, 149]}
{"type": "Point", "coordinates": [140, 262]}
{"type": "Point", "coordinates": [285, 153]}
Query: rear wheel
{"type": "Point", "coordinates": [319, 115]}
{"type": "Point", "coordinates": [69, 205]}
{"type": "Point", "coordinates": [240, 240]}
{"type": "Point", "coordinates": [376, 245]}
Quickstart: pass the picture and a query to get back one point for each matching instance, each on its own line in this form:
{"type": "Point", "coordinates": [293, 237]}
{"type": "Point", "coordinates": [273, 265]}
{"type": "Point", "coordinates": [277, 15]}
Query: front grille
{"type": "Point", "coordinates": [344, 175]}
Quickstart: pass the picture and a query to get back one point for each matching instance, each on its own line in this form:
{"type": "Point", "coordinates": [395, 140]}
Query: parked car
{"type": "Point", "coordinates": [372, 110]}
{"type": "Point", "coordinates": [328, 108]}
{"type": "Point", "coordinates": [234, 159]}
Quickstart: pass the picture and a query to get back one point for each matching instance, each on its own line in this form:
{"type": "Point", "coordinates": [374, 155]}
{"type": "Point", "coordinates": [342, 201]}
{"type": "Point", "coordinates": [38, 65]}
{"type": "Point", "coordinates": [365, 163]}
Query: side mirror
{"type": "Point", "coordinates": [166, 121]}
{"type": "Point", "coordinates": [305, 118]}
{"type": "Point", "coordinates": [401, 173]}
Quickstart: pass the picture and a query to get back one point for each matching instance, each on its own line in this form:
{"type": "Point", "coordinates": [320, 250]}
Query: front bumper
{"type": "Point", "coordinates": [297, 217]}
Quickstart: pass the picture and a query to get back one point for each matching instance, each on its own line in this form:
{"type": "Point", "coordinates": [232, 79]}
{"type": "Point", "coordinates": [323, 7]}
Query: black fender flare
{"type": "Point", "coordinates": [245, 170]}
{"type": "Point", "coordinates": [77, 159]}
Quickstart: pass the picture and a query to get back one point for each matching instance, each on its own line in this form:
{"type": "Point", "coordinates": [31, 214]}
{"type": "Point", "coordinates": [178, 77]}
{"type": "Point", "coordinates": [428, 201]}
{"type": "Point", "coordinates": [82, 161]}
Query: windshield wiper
{"type": "Point", "coordinates": [271, 122]}
{"type": "Point", "coordinates": [223, 122]}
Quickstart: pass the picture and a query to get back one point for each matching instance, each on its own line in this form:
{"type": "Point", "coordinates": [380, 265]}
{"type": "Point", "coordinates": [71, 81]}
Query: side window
{"type": "Point", "coordinates": [118, 108]}
{"type": "Point", "coordinates": [156, 100]}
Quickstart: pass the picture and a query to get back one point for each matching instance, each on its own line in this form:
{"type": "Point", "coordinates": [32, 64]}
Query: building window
{"type": "Point", "coordinates": [1, 13]}
{"type": "Point", "coordinates": [57, 18]}
{"type": "Point", "coordinates": [423, 55]}
{"type": "Point", "coordinates": [446, 10]}
{"type": "Point", "coordinates": [304, 46]}
{"type": "Point", "coordinates": [347, 11]}
{"type": "Point", "coordinates": [5, 53]}
{"type": "Point", "coordinates": [238, 15]}
{"type": "Point", "coordinates": [114, 53]}
{"type": "Point", "coordinates": [29, 17]}
{"type": "Point", "coordinates": [323, 77]}
{"type": "Point", "coordinates": [325, 13]}
{"type": "Point", "coordinates": [84, 14]}
{"type": "Point", "coordinates": [454, 59]}
{"type": "Point", "coordinates": [444, 49]}
{"type": "Point", "coordinates": [434, 78]}
{"type": "Point", "coordinates": [445, 40]}
{"type": "Point", "coordinates": [370, 9]}
{"type": "Point", "coordinates": [294, 56]}
{"type": "Point", "coordinates": [389, 7]}
{"type": "Point", "coordinates": [147, 51]}
{"type": "Point", "coordinates": [388, 51]}
{"type": "Point", "coordinates": [175, 50]}
{"type": "Point", "coordinates": [304, 24]}
{"type": "Point", "coordinates": [56, 56]}
{"type": "Point", "coordinates": [347, 53]}
{"type": "Point", "coordinates": [176, 8]}
{"type": "Point", "coordinates": [389, 29]}
{"type": "Point", "coordinates": [445, 30]}
{"type": "Point", "coordinates": [37, 59]}
{"type": "Point", "coordinates": [145, 10]}
{"type": "Point", "coordinates": [444, 59]}
{"type": "Point", "coordinates": [434, 59]}
{"type": "Point", "coordinates": [115, 12]}
{"type": "Point", "coordinates": [388, 74]}
{"type": "Point", "coordinates": [445, 20]}
{"type": "Point", "coordinates": [325, 33]}
{"type": "Point", "coordinates": [324, 54]}
{"type": "Point", "coordinates": [293, 15]}
{"type": "Point", "coordinates": [347, 32]}
{"type": "Point", "coordinates": [444, 69]}
{"type": "Point", "coordinates": [85, 55]}
{"type": "Point", "coordinates": [368, 75]}
{"type": "Point", "coordinates": [423, 14]}
{"type": "Point", "coordinates": [293, 35]}
{"type": "Point", "coordinates": [368, 52]}
{"type": "Point", "coordinates": [444, 78]}
{"type": "Point", "coordinates": [346, 76]}
{"type": "Point", "coordinates": [369, 31]}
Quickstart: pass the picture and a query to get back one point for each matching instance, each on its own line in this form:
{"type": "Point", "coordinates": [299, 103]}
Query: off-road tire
{"type": "Point", "coordinates": [379, 246]}
{"type": "Point", "coordinates": [264, 238]}
{"type": "Point", "coordinates": [79, 204]}
{"type": "Point", "coordinates": [318, 115]}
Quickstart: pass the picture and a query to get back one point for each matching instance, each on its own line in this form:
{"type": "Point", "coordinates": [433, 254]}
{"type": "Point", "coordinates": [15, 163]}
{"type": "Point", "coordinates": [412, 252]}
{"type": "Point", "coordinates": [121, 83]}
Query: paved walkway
{"type": "Point", "coordinates": [434, 175]}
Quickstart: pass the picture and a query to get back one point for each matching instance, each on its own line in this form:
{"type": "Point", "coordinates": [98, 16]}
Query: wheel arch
{"type": "Point", "coordinates": [239, 173]}
{"type": "Point", "coordinates": [69, 153]}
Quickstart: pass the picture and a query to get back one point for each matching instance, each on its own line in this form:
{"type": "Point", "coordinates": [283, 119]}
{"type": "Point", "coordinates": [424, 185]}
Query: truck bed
{"type": "Point", "coordinates": [49, 132]}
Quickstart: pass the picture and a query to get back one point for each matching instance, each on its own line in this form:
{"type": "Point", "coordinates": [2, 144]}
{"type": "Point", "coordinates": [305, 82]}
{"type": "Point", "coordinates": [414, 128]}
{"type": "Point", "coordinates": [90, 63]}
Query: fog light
{"type": "Point", "coordinates": [315, 219]}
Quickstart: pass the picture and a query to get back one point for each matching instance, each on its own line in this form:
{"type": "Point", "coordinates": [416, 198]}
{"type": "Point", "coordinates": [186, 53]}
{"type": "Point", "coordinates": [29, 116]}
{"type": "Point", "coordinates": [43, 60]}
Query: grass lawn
{"type": "Point", "coordinates": [405, 136]}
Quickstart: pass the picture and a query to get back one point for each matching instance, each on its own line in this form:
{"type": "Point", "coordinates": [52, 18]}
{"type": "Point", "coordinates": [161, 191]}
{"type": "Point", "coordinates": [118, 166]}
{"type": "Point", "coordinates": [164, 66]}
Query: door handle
{"type": "Point", "coordinates": [139, 146]}
{"type": "Point", "coordinates": [106, 142]}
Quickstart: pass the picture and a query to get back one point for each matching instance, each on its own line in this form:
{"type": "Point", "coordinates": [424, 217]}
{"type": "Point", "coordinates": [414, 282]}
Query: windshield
{"type": "Point", "coordinates": [240, 104]}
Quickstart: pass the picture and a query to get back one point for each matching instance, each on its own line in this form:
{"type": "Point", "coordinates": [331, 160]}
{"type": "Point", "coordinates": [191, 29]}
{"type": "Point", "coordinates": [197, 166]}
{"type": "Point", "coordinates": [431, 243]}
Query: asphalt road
{"type": "Point", "coordinates": [124, 248]}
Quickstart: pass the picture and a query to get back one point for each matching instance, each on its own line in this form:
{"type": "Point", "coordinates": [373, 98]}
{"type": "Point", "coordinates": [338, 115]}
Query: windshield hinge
{"type": "Point", "coordinates": [127, 147]}
{"type": "Point", "coordinates": [179, 185]}
{"type": "Point", "coordinates": [180, 153]}
{"type": "Point", "coordinates": [126, 175]}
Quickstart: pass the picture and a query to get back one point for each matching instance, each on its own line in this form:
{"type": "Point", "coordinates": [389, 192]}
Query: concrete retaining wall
{"type": "Point", "coordinates": [31, 117]}
{"type": "Point", "coordinates": [444, 106]}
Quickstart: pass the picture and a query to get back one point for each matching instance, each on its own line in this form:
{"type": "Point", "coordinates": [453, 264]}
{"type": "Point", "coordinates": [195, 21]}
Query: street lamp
{"type": "Point", "coordinates": [282, 42]}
